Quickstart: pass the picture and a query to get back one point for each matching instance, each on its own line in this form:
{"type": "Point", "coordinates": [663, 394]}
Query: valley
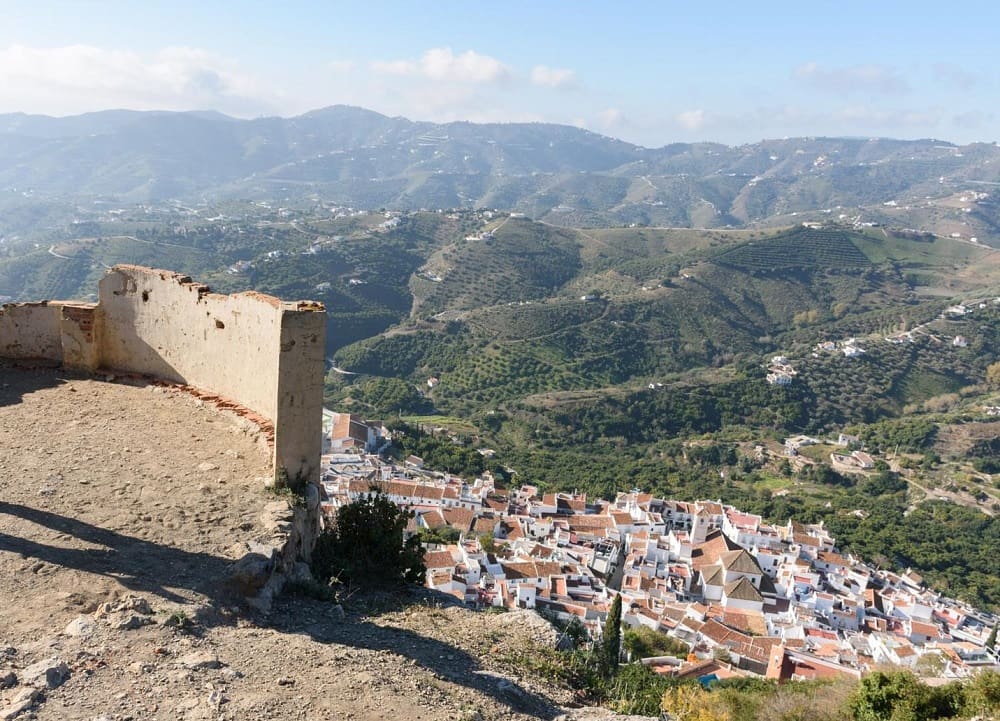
{"type": "Point", "coordinates": [563, 348]}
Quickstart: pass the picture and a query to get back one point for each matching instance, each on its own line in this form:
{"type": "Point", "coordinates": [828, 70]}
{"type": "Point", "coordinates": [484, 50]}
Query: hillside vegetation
{"type": "Point", "coordinates": [602, 359]}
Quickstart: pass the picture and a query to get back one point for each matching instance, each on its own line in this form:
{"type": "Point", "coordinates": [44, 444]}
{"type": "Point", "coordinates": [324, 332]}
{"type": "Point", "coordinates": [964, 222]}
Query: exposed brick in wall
{"type": "Point", "coordinates": [83, 317]}
{"type": "Point", "coordinates": [264, 425]}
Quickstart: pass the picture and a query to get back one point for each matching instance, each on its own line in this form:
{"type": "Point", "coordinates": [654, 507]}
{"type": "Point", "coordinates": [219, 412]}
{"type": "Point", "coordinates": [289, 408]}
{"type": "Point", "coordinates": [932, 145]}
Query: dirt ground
{"type": "Point", "coordinates": [121, 507]}
{"type": "Point", "coordinates": [956, 439]}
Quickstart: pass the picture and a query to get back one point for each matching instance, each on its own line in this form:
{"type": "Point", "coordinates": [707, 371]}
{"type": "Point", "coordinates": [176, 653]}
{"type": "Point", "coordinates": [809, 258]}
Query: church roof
{"type": "Point", "coordinates": [743, 590]}
{"type": "Point", "coordinates": [707, 553]}
{"type": "Point", "coordinates": [740, 562]}
{"type": "Point", "coordinates": [712, 576]}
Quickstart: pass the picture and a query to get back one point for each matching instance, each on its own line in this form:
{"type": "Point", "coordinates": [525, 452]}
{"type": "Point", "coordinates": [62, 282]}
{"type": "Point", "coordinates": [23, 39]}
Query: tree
{"type": "Point", "coordinates": [611, 639]}
{"type": "Point", "coordinates": [488, 543]}
{"type": "Point", "coordinates": [442, 535]}
{"type": "Point", "coordinates": [982, 696]}
{"type": "Point", "coordinates": [991, 641]}
{"type": "Point", "coordinates": [365, 545]}
{"type": "Point", "coordinates": [900, 696]}
{"type": "Point", "coordinates": [930, 665]}
{"type": "Point", "coordinates": [993, 374]}
{"type": "Point", "coordinates": [387, 395]}
{"type": "Point", "coordinates": [642, 642]}
{"type": "Point", "coordinates": [882, 696]}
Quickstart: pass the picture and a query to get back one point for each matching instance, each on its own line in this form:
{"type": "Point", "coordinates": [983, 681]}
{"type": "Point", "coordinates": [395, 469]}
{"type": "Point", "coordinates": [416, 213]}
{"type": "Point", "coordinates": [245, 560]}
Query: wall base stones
{"type": "Point", "coordinates": [264, 568]}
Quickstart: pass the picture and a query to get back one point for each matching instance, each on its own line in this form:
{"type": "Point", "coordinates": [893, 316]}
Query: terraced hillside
{"type": "Point", "coordinates": [501, 309]}
{"type": "Point", "coordinates": [802, 248]}
{"type": "Point", "coordinates": [720, 299]}
{"type": "Point", "coordinates": [515, 261]}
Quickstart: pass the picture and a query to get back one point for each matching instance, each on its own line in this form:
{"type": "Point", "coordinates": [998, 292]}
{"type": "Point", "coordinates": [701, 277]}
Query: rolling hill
{"type": "Point", "coordinates": [562, 175]}
{"type": "Point", "coordinates": [601, 358]}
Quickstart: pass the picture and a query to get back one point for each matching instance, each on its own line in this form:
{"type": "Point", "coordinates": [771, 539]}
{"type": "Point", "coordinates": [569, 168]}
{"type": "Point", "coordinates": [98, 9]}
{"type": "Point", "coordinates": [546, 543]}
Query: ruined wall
{"type": "Point", "coordinates": [30, 331]}
{"type": "Point", "coordinates": [80, 330]}
{"type": "Point", "coordinates": [254, 349]}
{"type": "Point", "coordinates": [164, 325]}
{"type": "Point", "coordinates": [57, 331]}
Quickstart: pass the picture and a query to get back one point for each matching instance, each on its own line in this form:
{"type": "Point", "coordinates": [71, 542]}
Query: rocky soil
{"type": "Point", "coordinates": [122, 508]}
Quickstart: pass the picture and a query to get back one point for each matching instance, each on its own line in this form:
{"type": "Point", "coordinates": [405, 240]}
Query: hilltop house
{"type": "Point", "coordinates": [347, 432]}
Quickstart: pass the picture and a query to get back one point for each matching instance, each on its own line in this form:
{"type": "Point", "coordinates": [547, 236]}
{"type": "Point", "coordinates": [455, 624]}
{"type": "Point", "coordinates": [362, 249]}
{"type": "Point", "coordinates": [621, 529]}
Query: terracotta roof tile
{"type": "Point", "coordinates": [460, 518]}
{"type": "Point", "coordinates": [438, 559]}
{"type": "Point", "coordinates": [580, 522]}
{"type": "Point", "coordinates": [707, 553]}
{"type": "Point", "coordinates": [740, 562]}
{"type": "Point", "coordinates": [743, 590]}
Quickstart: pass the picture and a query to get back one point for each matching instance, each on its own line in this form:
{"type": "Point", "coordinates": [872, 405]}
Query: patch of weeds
{"type": "Point", "coordinates": [471, 713]}
{"type": "Point", "coordinates": [311, 589]}
{"type": "Point", "coordinates": [180, 621]}
{"type": "Point", "coordinates": [294, 486]}
{"type": "Point", "coordinates": [286, 494]}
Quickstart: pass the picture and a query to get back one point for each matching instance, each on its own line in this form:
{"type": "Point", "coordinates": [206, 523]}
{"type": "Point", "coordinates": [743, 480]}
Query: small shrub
{"type": "Point", "coordinates": [365, 545]}
{"type": "Point", "coordinates": [180, 621]}
{"type": "Point", "coordinates": [637, 690]}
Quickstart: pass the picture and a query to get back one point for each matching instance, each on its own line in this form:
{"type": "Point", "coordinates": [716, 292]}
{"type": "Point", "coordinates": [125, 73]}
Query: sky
{"type": "Point", "coordinates": [649, 73]}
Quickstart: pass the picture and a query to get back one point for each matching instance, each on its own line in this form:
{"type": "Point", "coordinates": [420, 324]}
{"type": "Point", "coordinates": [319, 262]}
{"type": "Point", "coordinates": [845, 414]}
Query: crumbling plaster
{"type": "Point", "coordinates": [253, 349]}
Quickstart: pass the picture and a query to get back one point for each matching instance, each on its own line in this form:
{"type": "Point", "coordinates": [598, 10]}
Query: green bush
{"type": "Point", "coordinates": [637, 690]}
{"type": "Point", "coordinates": [899, 696]}
{"type": "Point", "coordinates": [365, 545]}
{"type": "Point", "coordinates": [642, 642]}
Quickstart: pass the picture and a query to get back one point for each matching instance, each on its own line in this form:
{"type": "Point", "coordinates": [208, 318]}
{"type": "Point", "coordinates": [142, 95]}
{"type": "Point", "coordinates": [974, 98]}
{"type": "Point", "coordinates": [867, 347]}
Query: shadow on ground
{"type": "Point", "coordinates": [20, 379]}
{"type": "Point", "coordinates": [135, 563]}
{"type": "Point", "coordinates": [156, 569]}
{"type": "Point", "coordinates": [443, 659]}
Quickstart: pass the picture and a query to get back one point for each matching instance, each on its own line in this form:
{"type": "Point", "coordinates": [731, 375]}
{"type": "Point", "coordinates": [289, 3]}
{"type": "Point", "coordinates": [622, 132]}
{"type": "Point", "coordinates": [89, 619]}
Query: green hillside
{"type": "Point", "coordinates": [606, 358]}
{"type": "Point", "coordinates": [562, 175]}
{"type": "Point", "coordinates": [802, 248]}
{"type": "Point", "coordinates": [535, 311]}
{"type": "Point", "coordinates": [516, 261]}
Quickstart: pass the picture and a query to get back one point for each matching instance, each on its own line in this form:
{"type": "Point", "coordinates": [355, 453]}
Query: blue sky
{"type": "Point", "coordinates": [647, 72]}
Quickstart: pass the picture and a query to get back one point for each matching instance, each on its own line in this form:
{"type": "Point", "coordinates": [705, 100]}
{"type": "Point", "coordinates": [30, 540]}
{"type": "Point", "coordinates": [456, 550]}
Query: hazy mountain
{"type": "Point", "coordinates": [560, 174]}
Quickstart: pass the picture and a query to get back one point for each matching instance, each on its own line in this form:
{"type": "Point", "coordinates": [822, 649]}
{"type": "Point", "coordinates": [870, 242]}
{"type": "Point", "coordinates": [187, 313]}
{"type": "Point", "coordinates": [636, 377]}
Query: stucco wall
{"type": "Point", "coordinates": [162, 324]}
{"type": "Point", "coordinates": [254, 349]}
{"type": "Point", "coordinates": [80, 331]}
{"type": "Point", "coordinates": [30, 331]}
{"type": "Point", "coordinates": [301, 366]}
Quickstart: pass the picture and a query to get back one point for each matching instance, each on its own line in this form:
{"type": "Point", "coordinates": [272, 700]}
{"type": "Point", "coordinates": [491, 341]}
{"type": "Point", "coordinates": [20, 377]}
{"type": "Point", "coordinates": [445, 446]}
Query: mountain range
{"type": "Point", "coordinates": [560, 174]}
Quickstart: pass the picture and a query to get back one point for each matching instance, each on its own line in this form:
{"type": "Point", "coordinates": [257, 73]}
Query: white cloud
{"type": "Point", "coordinates": [611, 118]}
{"type": "Point", "coordinates": [691, 119]}
{"type": "Point", "coordinates": [443, 64]}
{"type": "Point", "coordinates": [80, 78]}
{"type": "Point", "coordinates": [853, 79]}
{"type": "Point", "coordinates": [544, 76]}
